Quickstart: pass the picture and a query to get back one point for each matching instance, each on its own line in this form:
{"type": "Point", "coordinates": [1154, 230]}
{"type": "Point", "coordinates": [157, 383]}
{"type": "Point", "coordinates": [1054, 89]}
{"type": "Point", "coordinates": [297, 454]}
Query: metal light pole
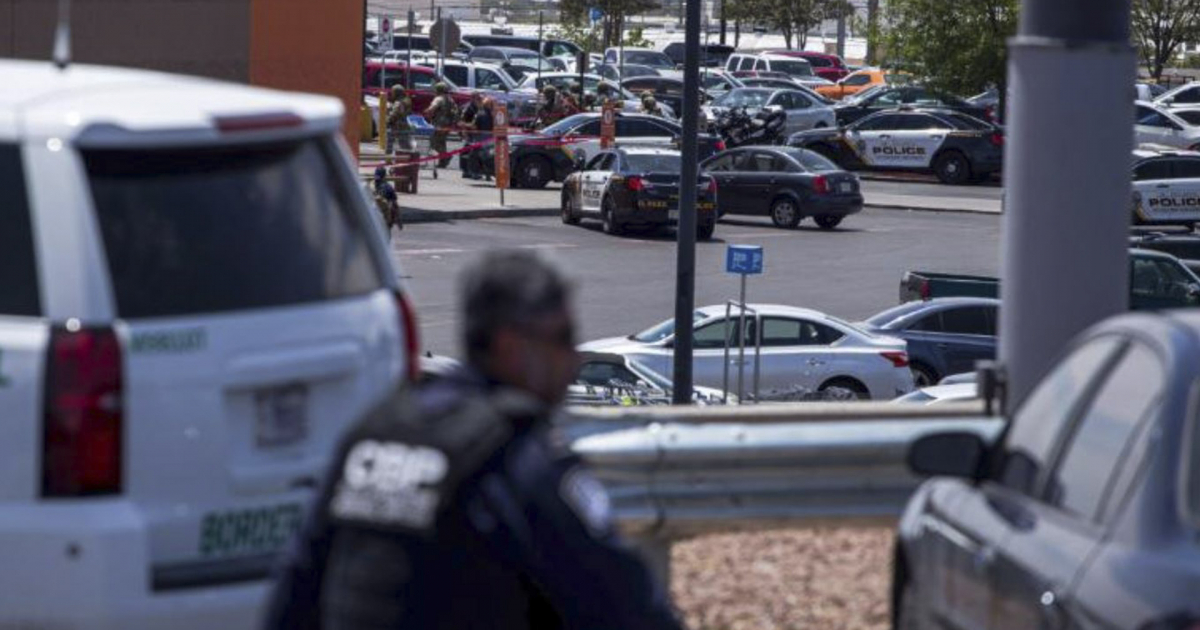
{"type": "Point", "coordinates": [685, 265]}
{"type": "Point", "coordinates": [539, 77]}
{"type": "Point", "coordinates": [841, 29]}
{"type": "Point", "coordinates": [1066, 220]}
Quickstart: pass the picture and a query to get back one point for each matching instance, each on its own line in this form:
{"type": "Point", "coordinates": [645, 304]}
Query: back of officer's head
{"type": "Point", "coordinates": [517, 325]}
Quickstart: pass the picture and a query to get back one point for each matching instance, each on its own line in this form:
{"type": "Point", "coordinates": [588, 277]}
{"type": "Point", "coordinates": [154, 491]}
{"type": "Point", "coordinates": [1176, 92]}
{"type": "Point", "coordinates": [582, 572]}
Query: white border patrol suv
{"type": "Point", "coordinates": [195, 300]}
{"type": "Point", "coordinates": [1166, 186]}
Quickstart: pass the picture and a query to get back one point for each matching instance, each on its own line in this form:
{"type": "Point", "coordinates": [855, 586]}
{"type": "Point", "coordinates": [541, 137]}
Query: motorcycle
{"type": "Point", "coordinates": [738, 128]}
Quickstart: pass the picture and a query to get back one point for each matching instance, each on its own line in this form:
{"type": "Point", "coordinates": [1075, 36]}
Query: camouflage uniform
{"type": "Point", "coordinates": [443, 115]}
{"type": "Point", "coordinates": [552, 109]}
{"type": "Point", "coordinates": [384, 194]}
{"type": "Point", "coordinates": [650, 106]}
{"type": "Point", "coordinates": [398, 130]}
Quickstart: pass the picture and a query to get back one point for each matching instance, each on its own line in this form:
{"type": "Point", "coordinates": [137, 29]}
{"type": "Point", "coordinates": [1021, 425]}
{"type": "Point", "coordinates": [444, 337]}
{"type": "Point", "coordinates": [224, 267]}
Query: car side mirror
{"type": "Point", "coordinates": [950, 454]}
{"type": "Point", "coordinates": [1170, 100]}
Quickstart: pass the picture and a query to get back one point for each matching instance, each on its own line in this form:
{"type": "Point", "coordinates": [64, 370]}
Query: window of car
{"type": "Point", "coordinates": [603, 162]}
{"type": "Point", "coordinates": [969, 320]}
{"type": "Point", "coordinates": [640, 128]}
{"type": "Point", "coordinates": [589, 128]}
{"type": "Point", "coordinates": [1100, 439]}
{"type": "Point", "coordinates": [1039, 422]}
{"type": "Point", "coordinates": [1152, 169]}
{"type": "Point", "coordinates": [1188, 95]}
{"type": "Point", "coordinates": [889, 98]}
{"type": "Point", "coordinates": [18, 263]}
{"type": "Point", "coordinates": [1190, 116]}
{"type": "Point", "coordinates": [819, 62]}
{"type": "Point", "coordinates": [929, 323]}
{"type": "Point", "coordinates": [963, 121]}
{"type": "Point", "coordinates": [759, 64]}
{"type": "Point", "coordinates": [1157, 278]}
{"type": "Point", "coordinates": [721, 163]}
{"type": "Point", "coordinates": [560, 49]}
{"type": "Point", "coordinates": [764, 162]}
{"type": "Point", "coordinates": [603, 373]}
{"type": "Point", "coordinates": [858, 79]}
{"type": "Point", "coordinates": [654, 163]}
{"type": "Point", "coordinates": [712, 336]}
{"type": "Point", "coordinates": [784, 331]}
{"type": "Point", "coordinates": [203, 230]}
{"type": "Point", "coordinates": [812, 161]}
{"type": "Point", "coordinates": [1148, 117]}
{"type": "Point", "coordinates": [457, 74]}
{"type": "Point", "coordinates": [1185, 168]}
{"type": "Point", "coordinates": [792, 67]}
{"type": "Point", "coordinates": [488, 79]}
{"type": "Point", "coordinates": [886, 122]}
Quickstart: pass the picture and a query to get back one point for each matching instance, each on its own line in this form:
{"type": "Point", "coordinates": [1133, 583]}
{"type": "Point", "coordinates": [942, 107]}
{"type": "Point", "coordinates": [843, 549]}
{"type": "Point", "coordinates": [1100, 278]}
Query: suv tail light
{"type": "Point", "coordinates": [898, 359]}
{"type": "Point", "coordinates": [635, 183]}
{"type": "Point", "coordinates": [83, 413]}
{"type": "Point", "coordinates": [720, 145]}
{"type": "Point", "coordinates": [820, 185]}
{"type": "Point", "coordinates": [412, 346]}
{"type": "Point", "coordinates": [998, 139]}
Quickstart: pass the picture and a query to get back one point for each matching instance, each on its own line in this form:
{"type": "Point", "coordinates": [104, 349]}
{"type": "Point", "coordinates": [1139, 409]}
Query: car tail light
{"type": "Point", "coordinates": [712, 186]}
{"type": "Point", "coordinates": [635, 183]}
{"type": "Point", "coordinates": [83, 413]}
{"type": "Point", "coordinates": [898, 359]}
{"type": "Point", "coordinates": [820, 185]}
{"type": "Point", "coordinates": [925, 290]}
{"type": "Point", "coordinates": [412, 345]}
{"type": "Point", "coordinates": [720, 145]}
{"type": "Point", "coordinates": [998, 139]}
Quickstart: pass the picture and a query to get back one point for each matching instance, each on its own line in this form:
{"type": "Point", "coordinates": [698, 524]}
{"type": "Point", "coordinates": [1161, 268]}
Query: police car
{"type": "Point", "coordinates": [194, 303]}
{"type": "Point", "coordinates": [957, 148]}
{"type": "Point", "coordinates": [1166, 187]}
{"type": "Point", "coordinates": [635, 187]}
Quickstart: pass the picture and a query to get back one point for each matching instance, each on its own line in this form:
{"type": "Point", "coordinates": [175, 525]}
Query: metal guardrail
{"type": "Point", "coordinates": [674, 472]}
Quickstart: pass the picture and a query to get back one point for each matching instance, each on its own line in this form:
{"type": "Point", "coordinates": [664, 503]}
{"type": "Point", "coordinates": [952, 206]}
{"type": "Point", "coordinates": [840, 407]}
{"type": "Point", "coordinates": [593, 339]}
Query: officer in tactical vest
{"type": "Point", "coordinates": [398, 130]}
{"type": "Point", "coordinates": [552, 109]}
{"type": "Point", "coordinates": [454, 506]}
{"type": "Point", "coordinates": [384, 194]}
{"type": "Point", "coordinates": [442, 113]}
{"type": "Point", "coordinates": [650, 105]}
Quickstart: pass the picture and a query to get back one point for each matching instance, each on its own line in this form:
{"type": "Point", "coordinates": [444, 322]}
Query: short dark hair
{"type": "Point", "coordinates": [506, 288]}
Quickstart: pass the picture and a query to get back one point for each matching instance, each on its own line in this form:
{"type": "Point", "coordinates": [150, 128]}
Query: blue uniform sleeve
{"type": "Point", "coordinates": [560, 516]}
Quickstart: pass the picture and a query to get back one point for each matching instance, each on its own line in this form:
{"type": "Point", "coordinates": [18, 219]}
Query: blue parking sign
{"type": "Point", "coordinates": [596, 14]}
{"type": "Point", "coordinates": [744, 259]}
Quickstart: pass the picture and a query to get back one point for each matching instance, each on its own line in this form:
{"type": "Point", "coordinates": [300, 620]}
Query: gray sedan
{"type": "Point", "coordinates": [1085, 513]}
{"type": "Point", "coordinates": [785, 184]}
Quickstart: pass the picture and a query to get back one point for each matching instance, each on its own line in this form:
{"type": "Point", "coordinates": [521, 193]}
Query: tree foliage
{"type": "Point", "coordinates": [959, 46]}
{"type": "Point", "coordinates": [1160, 27]}
{"type": "Point", "coordinates": [792, 18]}
{"type": "Point", "coordinates": [575, 16]}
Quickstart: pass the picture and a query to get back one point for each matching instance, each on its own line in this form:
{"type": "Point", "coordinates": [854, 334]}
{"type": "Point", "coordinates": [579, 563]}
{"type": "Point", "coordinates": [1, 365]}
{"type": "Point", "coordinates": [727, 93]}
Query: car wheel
{"type": "Point", "coordinates": [785, 213]}
{"type": "Point", "coordinates": [923, 375]}
{"type": "Point", "coordinates": [828, 221]}
{"type": "Point", "coordinates": [952, 168]}
{"type": "Point", "coordinates": [705, 231]}
{"type": "Point", "coordinates": [844, 389]}
{"type": "Point", "coordinates": [568, 215]}
{"type": "Point", "coordinates": [608, 219]}
{"type": "Point", "coordinates": [534, 172]}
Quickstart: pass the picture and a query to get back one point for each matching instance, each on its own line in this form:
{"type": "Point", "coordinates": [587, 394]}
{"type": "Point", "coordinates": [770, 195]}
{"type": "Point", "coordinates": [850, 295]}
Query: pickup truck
{"type": "Point", "coordinates": [1156, 280]}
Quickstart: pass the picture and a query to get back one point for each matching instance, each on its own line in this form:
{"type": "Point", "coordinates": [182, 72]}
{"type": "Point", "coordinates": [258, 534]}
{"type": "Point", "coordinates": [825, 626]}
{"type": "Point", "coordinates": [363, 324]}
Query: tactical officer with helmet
{"type": "Point", "coordinates": [443, 114]}
{"type": "Point", "coordinates": [454, 506]}
{"type": "Point", "coordinates": [399, 132]}
{"type": "Point", "coordinates": [650, 105]}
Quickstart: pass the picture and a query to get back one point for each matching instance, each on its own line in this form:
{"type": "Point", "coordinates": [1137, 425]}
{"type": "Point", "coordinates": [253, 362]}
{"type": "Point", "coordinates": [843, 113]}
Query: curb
{"type": "Point", "coordinates": [891, 206]}
{"type": "Point", "coordinates": [416, 215]}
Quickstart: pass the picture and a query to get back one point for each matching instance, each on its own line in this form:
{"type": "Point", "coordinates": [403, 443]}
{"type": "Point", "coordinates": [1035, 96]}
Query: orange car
{"type": "Point", "coordinates": [858, 81]}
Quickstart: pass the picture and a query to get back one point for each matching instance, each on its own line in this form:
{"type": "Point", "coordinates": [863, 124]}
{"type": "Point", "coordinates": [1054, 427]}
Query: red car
{"type": "Point", "coordinates": [829, 67]}
{"type": "Point", "coordinates": [420, 88]}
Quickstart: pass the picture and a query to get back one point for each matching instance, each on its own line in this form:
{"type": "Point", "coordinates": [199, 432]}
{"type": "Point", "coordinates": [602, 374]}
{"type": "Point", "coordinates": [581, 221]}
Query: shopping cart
{"type": "Point", "coordinates": [422, 135]}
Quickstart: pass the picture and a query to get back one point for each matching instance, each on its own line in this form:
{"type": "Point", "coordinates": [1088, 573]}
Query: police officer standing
{"type": "Point", "coordinates": [453, 506]}
{"type": "Point", "coordinates": [384, 194]}
{"type": "Point", "coordinates": [552, 109]}
{"type": "Point", "coordinates": [650, 105]}
{"type": "Point", "coordinates": [398, 129]}
{"type": "Point", "coordinates": [442, 113]}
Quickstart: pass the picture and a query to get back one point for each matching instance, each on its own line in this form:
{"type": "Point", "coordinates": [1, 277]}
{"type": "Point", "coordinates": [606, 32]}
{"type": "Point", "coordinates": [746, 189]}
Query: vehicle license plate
{"type": "Point", "coordinates": [249, 532]}
{"type": "Point", "coordinates": [846, 187]}
{"type": "Point", "coordinates": [673, 215]}
{"type": "Point", "coordinates": [282, 415]}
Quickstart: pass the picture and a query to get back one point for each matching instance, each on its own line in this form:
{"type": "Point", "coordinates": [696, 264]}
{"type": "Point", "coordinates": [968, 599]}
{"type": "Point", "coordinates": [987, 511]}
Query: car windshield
{"type": "Point", "coordinates": [650, 58]}
{"type": "Point", "coordinates": [792, 67]}
{"type": "Point", "coordinates": [655, 378]}
{"type": "Point", "coordinates": [632, 71]}
{"type": "Point", "coordinates": [654, 163]}
{"type": "Point", "coordinates": [743, 98]}
{"type": "Point", "coordinates": [867, 93]}
{"type": "Point", "coordinates": [663, 330]}
{"type": "Point", "coordinates": [963, 121]}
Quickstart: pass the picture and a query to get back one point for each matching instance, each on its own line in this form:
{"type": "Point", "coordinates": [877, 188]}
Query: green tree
{"type": "Point", "coordinates": [954, 45]}
{"type": "Point", "coordinates": [575, 13]}
{"type": "Point", "coordinates": [792, 18]}
{"type": "Point", "coordinates": [1160, 27]}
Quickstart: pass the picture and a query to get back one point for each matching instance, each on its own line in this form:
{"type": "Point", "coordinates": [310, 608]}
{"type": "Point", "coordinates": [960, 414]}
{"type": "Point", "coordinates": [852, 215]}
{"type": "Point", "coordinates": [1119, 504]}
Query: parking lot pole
{"type": "Point", "coordinates": [539, 78]}
{"type": "Point", "coordinates": [685, 264]}
{"type": "Point", "coordinates": [408, 63]}
{"type": "Point", "coordinates": [1066, 220]}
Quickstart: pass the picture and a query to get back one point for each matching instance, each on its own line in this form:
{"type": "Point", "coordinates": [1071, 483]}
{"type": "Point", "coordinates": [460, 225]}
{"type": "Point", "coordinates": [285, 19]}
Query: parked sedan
{"type": "Point", "coordinates": [1154, 124]}
{"type": "Point", "coordinates": [891, 97]}
{"type": "Point", "coordinates": [1084, 512]}
{"type": "Point", "coordinates": [802, 111]}
{"type": "Point", "coordinates": [601, 372]}
{"type": "Point", "coordinates": [637, 187]}
{"type": "Point", "coordinates": [785, 184]}
{"type": "Point", "coordinates": [944, 335]}
{"type": "Point", "coordinates": [801, 349]}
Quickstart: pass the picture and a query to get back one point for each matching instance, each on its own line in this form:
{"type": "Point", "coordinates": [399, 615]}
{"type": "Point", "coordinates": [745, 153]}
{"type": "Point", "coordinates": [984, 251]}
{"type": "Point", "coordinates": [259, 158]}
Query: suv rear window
{"type": "Point", "coordinates": [223, 229]}
{"type": "Point", "coordinates": [18, 266]}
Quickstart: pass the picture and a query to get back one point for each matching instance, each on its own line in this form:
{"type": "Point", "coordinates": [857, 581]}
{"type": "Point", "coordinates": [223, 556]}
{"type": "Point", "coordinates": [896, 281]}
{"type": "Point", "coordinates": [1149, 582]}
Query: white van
{"type": "Point", "coordinates": [195, 300]}
{"type": "Point", "coordinates": [797, 68]}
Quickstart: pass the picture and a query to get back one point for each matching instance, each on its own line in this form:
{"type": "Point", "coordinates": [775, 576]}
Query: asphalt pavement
{"type": "Point", "coordinates": [627, 283]}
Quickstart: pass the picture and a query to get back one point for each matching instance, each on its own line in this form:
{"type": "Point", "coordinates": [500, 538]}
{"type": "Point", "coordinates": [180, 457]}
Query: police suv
{"type": "Point", "coordinates": [1166, 187]}
{"type": "Point", "coordinates": [954, 146]}
{"type": "Point", "coordinates": [196, 301]}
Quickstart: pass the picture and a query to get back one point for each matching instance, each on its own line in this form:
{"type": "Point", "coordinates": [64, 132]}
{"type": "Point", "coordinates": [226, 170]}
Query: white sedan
{"type": "Point", "coordinates": [801, 349]}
